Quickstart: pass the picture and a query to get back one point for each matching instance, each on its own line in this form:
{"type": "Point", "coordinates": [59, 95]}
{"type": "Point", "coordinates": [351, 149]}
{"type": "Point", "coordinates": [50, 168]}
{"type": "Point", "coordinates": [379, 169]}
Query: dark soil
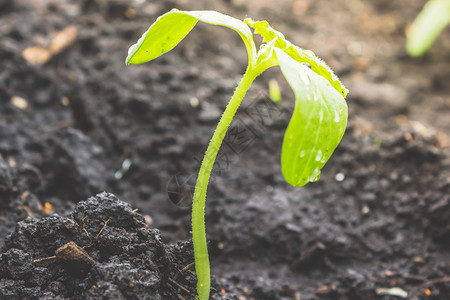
{"type": "Point", "coordinates": [82, 123]}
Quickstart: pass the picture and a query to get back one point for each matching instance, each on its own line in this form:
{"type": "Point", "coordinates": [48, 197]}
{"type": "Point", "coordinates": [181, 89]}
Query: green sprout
{"type": "Point", "coordinates": [317, 125]}
{"type": "Point", "coordinates": [433, 18]}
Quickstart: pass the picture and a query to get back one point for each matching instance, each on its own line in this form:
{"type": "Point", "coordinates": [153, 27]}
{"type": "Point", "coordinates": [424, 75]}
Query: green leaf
{"type": "Point", "coordinates": [426, 27]}
{"type": "Point", "coordinates": [268, 33]}
{"type": "Point", "coordinates": [317, 124]}
{"type": "Point", "coordinates": [171, 28]}
{"type": "Point", "coordinates": [304, 56]}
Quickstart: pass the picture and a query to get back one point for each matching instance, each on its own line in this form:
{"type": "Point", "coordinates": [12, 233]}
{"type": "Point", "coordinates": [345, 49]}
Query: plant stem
{"type": "Point", "coordinates": [198, 205]}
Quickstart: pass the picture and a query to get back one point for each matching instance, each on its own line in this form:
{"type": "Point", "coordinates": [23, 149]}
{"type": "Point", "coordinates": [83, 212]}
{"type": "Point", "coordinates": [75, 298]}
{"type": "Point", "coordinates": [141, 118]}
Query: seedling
{"type": "Point", "coordinates": [433, 18]}
{"type": "Point", "coordinates": [314, 131]}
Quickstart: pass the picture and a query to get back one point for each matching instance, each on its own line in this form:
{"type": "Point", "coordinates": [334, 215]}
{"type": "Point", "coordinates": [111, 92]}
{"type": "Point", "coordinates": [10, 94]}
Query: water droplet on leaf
{"type": "Point", "coordinates": [315, 175]}
{"type": "Point", "coordinates": [319, 155]}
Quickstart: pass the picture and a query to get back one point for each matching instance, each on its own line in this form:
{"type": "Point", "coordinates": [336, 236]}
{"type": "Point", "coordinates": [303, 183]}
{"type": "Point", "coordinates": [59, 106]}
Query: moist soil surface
{"type": "Point", "coordinates": [98, 160]}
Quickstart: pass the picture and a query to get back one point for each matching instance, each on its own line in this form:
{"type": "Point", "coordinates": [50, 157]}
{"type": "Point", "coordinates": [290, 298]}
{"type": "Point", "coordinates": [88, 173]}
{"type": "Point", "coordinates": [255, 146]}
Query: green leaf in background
{"type": "Point", "coordinates": [426, 27]}
{"type": "Point", "coordinates": [171, 28]}
{"type": "Point", "coordinates": [317, 124]}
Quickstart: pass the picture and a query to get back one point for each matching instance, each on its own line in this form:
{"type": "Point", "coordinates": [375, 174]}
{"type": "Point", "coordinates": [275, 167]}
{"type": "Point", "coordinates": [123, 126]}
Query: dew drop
{"type": "Point", "coordinates": [315, 175]}
{"type": "Point", "coordinates": [302, 154]}
{"type": "Point", "coordinates": [319, 155]}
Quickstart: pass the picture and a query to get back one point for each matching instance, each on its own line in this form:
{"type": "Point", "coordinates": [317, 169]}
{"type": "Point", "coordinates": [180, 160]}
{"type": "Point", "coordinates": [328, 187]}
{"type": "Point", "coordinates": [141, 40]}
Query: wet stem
{"type": "Point", "coordinates": [202, 268]}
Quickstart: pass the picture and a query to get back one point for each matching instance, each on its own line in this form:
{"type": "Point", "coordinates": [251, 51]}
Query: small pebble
{"type": "Point", "coordinates": [339, 177]}
{"type": "Point", "coordinates": [65, 101]}
{"type": "Point", "coordinates": [194, 102]}
{"type": "Point", "coordinates": [365, 210]}
{"type": "Point", "coordinates": [19, 102]}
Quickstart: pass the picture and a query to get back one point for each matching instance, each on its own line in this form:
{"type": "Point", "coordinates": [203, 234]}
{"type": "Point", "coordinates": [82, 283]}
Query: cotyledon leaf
{"type": "Point", "coordinates": [304, 56]}
{"type": "Point", "coordinates": [171, 28]}
{"type": "Point", "coordinates": [317, 124]}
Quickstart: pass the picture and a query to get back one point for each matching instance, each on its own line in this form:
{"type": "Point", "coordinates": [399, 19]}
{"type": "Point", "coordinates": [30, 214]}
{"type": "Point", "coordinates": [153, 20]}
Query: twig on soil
{"type": "Point", "coordinates": [311, 255]}
{"type": "Point", "coordinates": [72, 252]}
{"type": "Point", "coordinates": [414, 278]}
{"type": "Point", "coordinates": [180, 297]}
{"type": "Point", "coordinates": [106, 222]}
{"type": "Point", "coordinates": [87, 233]}
{"type": "Point", "coordinates": [179, 286]}
{"type": "Point", "coordinates": [69, 251]}
{"type": "Point", "coordinates": [44, 259]}
{"type": "Point", "coordinates": [183, 270]}
{"type": "Point", "coordinates": [439, 280]}
{"type": "Point", "coordinates": [428, 283]}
